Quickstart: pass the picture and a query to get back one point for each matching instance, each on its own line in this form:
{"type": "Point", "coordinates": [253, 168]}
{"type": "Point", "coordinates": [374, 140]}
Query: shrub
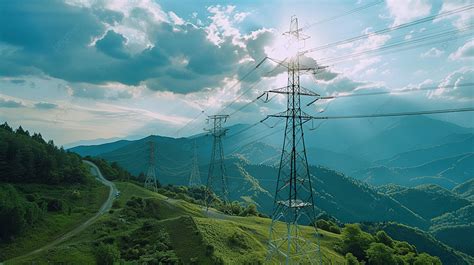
{"type": "Point", "coordinates": [383, 238]}
{"type": "Point", "coordinates": [55, 205]}
{"type": "Point", "coordinates": [106, 254]}
{"type": "Point", "coordinates": [355, 241]}
{"type": "Point", "coordinates": [238, 239]}
{"type": "Point", "coordinates": [425, 259]}
{"type": "Point", "coordinates": [209, 250]}
{"type": "Point", "coordinates": [380, 254]}
{"type": "Point", "coordinates": [335, 229]}
{"type": "Point", "coordinates": [250, 210]}
{"type": "Point", "coordinates": [16, 212]}
{"type": "Point", "coordinates": [351, 259]}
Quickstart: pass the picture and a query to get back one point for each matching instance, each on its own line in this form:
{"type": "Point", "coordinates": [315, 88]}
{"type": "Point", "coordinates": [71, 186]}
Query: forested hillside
{"type": "Point", "coordinates": [44, 191]}
{"type": "Point", "coordinates": [26, 158]}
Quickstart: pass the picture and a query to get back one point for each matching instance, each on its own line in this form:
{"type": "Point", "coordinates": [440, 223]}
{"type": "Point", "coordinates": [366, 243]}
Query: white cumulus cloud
{"type": "Point", "coordinates": [464, 52]}
{"type": "Point", "coordinates": [403, 11]}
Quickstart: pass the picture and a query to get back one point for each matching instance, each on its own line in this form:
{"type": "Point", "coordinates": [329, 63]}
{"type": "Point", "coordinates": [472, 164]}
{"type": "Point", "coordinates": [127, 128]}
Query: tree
{"type": "Point", "coordinates": [12, 212]}
{"type": "Point", "coordinates": [15, 212]}
{"type": "Point", "coordinates": [351, 259]}
{"type": "Point", "coordinates": [383, 238]}
{"type": "Point", "coordinates": [106, 254]}
{"type": "Point", "coordinates": [425, 259]}
{"type": "Point", "coordinates": [355, 241]}
{"type": "Point", "coordinates": [6, 127]}
{"type": "Point", "coordinates": [380, 254]}
{"type": "Point", "coordinates": [251, 209]}
{"type": "Point", "coordinates": [403, 248]}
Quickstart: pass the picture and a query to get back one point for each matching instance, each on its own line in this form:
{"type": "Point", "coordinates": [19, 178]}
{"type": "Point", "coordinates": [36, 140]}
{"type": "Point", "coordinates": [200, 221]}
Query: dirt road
{"type": "Point", "coordinates": [103, 209]}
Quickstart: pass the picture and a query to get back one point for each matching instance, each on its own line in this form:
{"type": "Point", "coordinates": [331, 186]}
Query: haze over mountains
{"type": "Point", "coordinates": [410, 152]}
{"type": "Point", "coordinates": [407, 151]}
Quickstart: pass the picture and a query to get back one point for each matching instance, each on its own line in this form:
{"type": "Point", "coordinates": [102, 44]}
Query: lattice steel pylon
{"type": "Point", "coordinates": [216, 179]}
{"type": "Point", "coordinates": [195, 176]}
{"type": "Point", "coordinates": [293, 203]}
{"type": "Point", "coordinates": [150, 180]}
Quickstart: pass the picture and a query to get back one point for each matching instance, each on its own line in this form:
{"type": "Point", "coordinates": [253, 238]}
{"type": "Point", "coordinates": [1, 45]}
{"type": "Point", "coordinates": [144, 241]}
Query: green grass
{"type": "Point", "coordinates": [55, 224]}
{"type": "Point", "coordinates": [193, 236]}
{"type": "Point", "coordinates": [255, 230]}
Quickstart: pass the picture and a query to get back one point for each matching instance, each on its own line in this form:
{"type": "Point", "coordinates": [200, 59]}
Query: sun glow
{"type": "Point", "coordinates": [283, 48]}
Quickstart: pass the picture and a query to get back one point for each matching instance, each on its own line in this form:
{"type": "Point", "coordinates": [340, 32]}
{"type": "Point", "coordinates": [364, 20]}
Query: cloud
{"type": "Point", "coordinates": [459, 19]}
{"type": "Point", "coordinates": [45, 105]}
{"type": "Point", "coordinates": [432, 53]}
{"type": "Point", "coordinates": [372, 42]}
{"type": "Point", "coordinates": [464, 52]}
{"type": "Point", "coordinates": [133, 44]}
{"type": "Point", "coordinates": [454, 89]}
{"type": "Point", "coordinates": [113, 44]}
{"type": "Point", "coordinates": [176, 20]}
{"type": "Point", "coordinates": [403, 11]}
{"type": "Point", "coordinates": [7, 103]}
{"type": "Point", "coordinates": [340, 84]}
{"type": "Point", "coordinates": [108, 91]}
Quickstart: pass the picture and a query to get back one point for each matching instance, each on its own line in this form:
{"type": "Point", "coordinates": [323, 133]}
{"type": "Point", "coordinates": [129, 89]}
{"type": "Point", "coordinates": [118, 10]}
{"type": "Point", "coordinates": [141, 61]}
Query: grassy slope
{"type": "Point", "coordinates": [191, 234]}
{"type": "Point", "coordinates": [55, 224]}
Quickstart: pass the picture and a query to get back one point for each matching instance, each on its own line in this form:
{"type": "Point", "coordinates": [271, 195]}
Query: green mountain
{"type": "Point", "coordinates": [336, 194]}
{"type": "Point", "coordinates": [446, 172]}
{"type": "Point", "coordinates": [150, 228]}
{"type": "Point", "coordinates": [425, 155]}
{"type": "Point", "coordinates": [457, 237]}
{"type": "Point", "coordinates": [465, 190]}
{"type": "Point", "coordinates": [407, 134]}
{"type": "Point", "coordinates": [429, 201]}
{"type": "Point", "coordinates": [170, 227]}
{"type": "Point", "coordinates": [461, 216]}
{"type": "Point", "coordinates": [423, 241]}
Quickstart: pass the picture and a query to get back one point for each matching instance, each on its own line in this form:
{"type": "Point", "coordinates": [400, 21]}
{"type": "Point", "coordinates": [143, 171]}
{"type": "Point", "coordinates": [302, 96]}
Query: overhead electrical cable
{"type": "Point", "coordinates": [395, 91]}
{"type": "Point", "coordinates": [394, 114]}
{"type": "Point", "coordinates": [349, 12]}
{"type": "Point", "coordinates": [390, 29]}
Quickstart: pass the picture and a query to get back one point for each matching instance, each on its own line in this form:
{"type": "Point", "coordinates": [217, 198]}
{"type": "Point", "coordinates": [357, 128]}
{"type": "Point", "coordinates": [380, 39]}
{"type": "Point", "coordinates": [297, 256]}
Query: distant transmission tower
{"type": "Point", "coordinates": [216, 181]}
{"type": "Point", "coordinates": [195, 176]}
{"type": "Point", "coordinates": [293, 203]}
{"type": "Point", "coordinates": [150, 180]}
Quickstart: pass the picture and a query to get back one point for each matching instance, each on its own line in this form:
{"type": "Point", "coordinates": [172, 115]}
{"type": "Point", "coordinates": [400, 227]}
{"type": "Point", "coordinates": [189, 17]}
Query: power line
{"type": "Point", "coordinates": [189, 122]}
{"type": "Point", "coordinates": [257, 140]}
{"type": "Point", "coordinates": [240, 80]}
{"type": "Point", "coordinates": [244, 130]}
{"type": "Point", "coordinates": [390, 29]}
{"type": "Point", "coordinates": [349, 12]}
{"type": "Point", "coordinates": [399, 91]}
{"type": "Point", "coordinates": [447, 34]}
{"type": "Point", "coordinates": [245, 76]}
{"type": "Point", "coordinates": [395, 114]}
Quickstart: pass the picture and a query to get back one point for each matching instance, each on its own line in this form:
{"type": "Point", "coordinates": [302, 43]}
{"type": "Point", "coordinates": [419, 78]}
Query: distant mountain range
{"type": "Point", "coordinates": [435, 152]}
{"type": "Point", "coordinates": [408, 151]}
{"type": "Point", "coordinates": [419, 170]}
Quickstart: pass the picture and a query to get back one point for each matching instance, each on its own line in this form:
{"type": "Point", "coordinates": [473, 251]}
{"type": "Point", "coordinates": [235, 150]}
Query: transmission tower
{"type": "Point", "coordinates": [293, 204]}
{"type": "Point", "coordinates": [150, 180]}
{"type": "Point", "coordinates": [216, 181]}
{"type": "Point", "coordinates": [195, 177]}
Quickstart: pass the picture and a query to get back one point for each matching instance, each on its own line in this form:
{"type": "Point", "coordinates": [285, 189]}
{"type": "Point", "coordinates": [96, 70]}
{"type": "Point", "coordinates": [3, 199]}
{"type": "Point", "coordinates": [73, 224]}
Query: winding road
{"type": "Point", "coordinates": [106, 206]}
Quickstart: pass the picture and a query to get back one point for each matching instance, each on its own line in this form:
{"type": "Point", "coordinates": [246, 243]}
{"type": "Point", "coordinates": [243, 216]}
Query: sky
{"type": "Point", "coordinates": [88, 69]}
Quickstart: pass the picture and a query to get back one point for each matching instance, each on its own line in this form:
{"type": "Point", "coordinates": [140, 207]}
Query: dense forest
{"type": "Point", "coordinates": [26, 158]}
